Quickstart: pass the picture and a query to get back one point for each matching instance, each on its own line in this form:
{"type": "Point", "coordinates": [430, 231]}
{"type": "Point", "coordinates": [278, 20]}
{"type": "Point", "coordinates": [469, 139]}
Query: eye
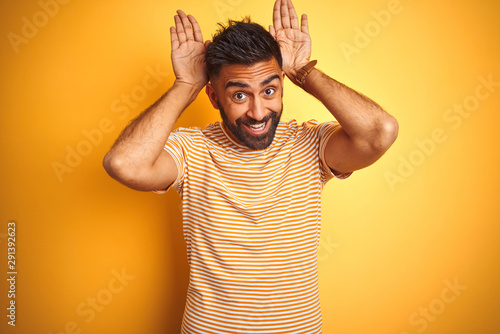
{"type": "Point", "coordinates": [269, 91]}
{"type": "Point", "coordinates": [239, 96]}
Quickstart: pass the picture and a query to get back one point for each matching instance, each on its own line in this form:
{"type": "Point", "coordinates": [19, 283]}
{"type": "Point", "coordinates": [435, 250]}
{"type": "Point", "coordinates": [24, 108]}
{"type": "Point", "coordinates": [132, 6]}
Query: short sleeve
{"type": "Point", "coordinates": [177, 146]}
{"type": "Point", "coordinates": [326, 130]}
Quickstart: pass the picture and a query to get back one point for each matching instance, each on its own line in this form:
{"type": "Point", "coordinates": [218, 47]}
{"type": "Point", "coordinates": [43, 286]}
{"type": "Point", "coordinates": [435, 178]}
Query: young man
{"type": "Point", "coordinates": [250, 185]}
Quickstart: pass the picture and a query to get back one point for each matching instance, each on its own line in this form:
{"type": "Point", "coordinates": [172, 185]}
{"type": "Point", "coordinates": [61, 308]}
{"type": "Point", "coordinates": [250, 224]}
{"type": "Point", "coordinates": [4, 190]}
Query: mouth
{"type": "Point", "coordinates": [258, 128]}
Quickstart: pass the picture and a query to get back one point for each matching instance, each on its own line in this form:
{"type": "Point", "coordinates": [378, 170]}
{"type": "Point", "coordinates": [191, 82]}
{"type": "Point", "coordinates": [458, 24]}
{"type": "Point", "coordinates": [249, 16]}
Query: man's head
{"type": "Point", "coordinates": [246, 82]}
{"type": "Point", "coordinates": [240, 42]}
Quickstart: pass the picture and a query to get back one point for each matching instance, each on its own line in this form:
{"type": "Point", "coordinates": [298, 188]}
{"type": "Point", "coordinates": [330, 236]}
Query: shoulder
{"type": "Point", "coordinates": [209, 138]}
{"type": "Point", "coordinates": [195, 132]}
{"type": "Point", "coordinates": [315, 126]}
{"type": "Point", "coordinates": [189, 131]}
{"type": "Point", "coordinates": [312, 128]}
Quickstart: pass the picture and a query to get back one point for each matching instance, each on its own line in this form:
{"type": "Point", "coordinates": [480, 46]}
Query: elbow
{"type": "Point", "coordinates": [111, 164]}
{"type": "Point", "coordinates": [391, 129]}
{"type": "Point", "coordinates": [128, 174]}
{"type": "Point", "coordinates": [387, 132]}
{"type": "Point", "coordinates": [116, 167]}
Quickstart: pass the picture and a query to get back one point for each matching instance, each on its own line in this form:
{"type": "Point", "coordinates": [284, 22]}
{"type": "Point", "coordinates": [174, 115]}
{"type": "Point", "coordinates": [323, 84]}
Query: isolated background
{"type": "Point", "coordinates": [394, 235]}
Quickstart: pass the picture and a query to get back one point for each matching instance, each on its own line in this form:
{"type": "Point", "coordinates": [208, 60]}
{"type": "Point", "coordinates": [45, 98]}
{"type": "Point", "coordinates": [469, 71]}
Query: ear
{"type": "Point", "coordinates": [283, 75]}
{"type": "Point", "coordinates": [212, 96]}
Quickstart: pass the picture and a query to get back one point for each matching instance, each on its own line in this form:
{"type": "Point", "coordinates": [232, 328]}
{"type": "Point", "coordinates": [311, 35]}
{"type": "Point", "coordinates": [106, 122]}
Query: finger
{"type": "Point", "coordinates": [272, 31]}
{"type": "Point", "coordinates": [285, 19]}
{"type": "Point", "coordinates": [277, 15]}
{"type": "Point", "coordinates": [174, 39]}
{"type": "Point", "coordinates": [188, 29]}
{"type": "Point", "coordinates": [304, 24]}
{"type": "Point", "coordinates": [293, 15]}
{"type": "Point", "coordinates": [180, 29]}
{"type": "Point", "coordinates": [196, 29]}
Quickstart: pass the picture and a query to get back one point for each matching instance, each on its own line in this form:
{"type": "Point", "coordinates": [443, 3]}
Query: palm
{"type": "Point", "coordinates": [188, 62]}
{"type": "Point", "coordinates": [294, 41]}
{"type": "Point", "coordinates": [295, 49]}
{"type": "Point", "coordinates": [188, 51]}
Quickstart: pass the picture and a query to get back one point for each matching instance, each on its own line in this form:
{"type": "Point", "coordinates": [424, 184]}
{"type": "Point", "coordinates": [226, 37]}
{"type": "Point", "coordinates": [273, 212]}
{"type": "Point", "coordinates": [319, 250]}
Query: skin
{"type": "Point", "coordinates": [248, 96]}
{"type": "Point", "coordinates": [138, 160]}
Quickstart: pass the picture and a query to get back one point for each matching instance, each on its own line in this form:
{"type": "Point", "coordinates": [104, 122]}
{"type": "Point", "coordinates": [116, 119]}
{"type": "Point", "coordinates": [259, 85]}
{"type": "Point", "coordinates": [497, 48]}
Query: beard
{"type": "Point", "coordinates": [253, 142]}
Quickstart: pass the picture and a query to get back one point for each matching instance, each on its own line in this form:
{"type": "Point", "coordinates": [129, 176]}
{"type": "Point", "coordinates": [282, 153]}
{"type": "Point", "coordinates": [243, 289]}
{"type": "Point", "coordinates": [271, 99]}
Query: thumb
{"type": "Point", "coordinates": [272, 31]}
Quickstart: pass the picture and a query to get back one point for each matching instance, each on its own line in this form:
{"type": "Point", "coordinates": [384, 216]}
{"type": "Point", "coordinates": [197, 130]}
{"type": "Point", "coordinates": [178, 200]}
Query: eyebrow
{"type": "Point", "coordinates": [244, 85]}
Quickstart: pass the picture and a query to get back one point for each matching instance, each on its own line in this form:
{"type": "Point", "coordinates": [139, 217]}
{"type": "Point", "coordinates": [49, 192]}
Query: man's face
{"type": "Point", "coordinates": [249, 99]}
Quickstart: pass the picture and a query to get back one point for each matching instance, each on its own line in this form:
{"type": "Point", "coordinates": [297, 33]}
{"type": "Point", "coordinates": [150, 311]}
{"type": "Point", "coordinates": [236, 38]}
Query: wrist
{"type": "Point", "coordinates": [190, 89]}
{"type": "Point", "coordinates": [313, 77]}
{"type": "Point", "coordinates": [303, 73]}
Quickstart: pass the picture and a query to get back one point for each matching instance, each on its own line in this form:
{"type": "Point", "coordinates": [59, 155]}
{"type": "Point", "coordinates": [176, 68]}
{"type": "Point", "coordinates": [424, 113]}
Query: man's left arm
{"type": "Point", "coordinates": [367, 131]}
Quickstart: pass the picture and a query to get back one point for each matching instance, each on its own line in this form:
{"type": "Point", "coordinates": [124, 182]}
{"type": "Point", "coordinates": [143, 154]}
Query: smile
{"type": "Point", "coordinates": [257, 129]}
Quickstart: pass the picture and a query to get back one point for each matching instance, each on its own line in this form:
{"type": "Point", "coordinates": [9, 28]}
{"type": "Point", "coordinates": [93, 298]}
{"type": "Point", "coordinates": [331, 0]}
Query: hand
{"type": "Point", "coordinates": [188, 51]}
{"type": "Point", "coordinates": [295, 43]}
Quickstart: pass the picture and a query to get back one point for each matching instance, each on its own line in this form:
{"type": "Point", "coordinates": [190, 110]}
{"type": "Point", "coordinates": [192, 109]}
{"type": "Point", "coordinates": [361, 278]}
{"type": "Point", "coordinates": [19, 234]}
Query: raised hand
{"type": "Point", "coordinates": [188, 51]}
{"type": "Point", "coordinates": [294, 41]}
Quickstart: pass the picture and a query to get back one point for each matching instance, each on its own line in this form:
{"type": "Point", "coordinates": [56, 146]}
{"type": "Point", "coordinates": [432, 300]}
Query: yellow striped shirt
{"type": "Point", "coordinates": [252, 223]}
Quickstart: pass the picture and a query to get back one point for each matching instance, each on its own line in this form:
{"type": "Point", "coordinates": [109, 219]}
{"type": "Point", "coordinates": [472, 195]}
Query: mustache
{"type": "Point", "coordinates": [251, 121]}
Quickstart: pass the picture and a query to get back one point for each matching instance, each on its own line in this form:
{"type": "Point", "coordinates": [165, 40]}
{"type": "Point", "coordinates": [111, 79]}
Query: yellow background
{"type": "Point", "coordinates": [395, 235]}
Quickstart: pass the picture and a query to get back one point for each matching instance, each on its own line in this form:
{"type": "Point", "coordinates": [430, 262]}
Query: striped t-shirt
{"type": "Point", "coordinates": [252, 221]}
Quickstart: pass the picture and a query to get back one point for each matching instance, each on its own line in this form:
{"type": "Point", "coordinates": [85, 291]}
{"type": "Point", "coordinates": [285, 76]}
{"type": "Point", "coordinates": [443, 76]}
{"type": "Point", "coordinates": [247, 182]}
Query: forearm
{"type": "Point", "coordinates": [142, 141]}
{"type": "Point", "coordinates": [362, 119]}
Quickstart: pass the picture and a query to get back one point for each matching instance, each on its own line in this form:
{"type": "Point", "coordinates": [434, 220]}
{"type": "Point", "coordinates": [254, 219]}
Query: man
{"type": "Point", "coordinates": [250, 185]}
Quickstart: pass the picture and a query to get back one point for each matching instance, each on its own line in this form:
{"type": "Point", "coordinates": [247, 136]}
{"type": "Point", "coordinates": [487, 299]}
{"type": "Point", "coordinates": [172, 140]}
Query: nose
{"type": "Point", "coordinates": [256, 109]}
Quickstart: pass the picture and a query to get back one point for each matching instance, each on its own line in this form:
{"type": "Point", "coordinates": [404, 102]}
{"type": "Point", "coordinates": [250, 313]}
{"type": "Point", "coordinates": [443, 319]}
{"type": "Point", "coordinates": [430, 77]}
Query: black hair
{"type": "Point", "coordinates": [240, 42]}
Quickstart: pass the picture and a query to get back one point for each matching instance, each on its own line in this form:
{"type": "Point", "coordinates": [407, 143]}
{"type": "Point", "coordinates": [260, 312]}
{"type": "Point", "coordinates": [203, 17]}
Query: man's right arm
{"type": "Point", "coordinates": [137, 159]}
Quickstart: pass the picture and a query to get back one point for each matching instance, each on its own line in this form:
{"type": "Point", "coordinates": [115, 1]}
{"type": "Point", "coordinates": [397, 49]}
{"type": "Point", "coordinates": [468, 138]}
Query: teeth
{"type": "Point", "coordinates": [258, 126]}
